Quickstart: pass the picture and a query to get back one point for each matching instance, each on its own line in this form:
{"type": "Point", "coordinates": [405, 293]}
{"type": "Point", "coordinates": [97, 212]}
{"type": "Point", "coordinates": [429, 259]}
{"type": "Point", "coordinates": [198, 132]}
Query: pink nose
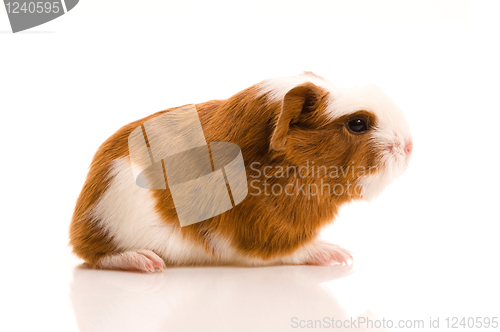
{"type": "Point", "coordinates": [409, 148]}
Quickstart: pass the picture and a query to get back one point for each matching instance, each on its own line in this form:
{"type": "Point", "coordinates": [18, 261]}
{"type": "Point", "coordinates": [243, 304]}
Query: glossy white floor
{"type": "Point", "coordinates": [426, 249]}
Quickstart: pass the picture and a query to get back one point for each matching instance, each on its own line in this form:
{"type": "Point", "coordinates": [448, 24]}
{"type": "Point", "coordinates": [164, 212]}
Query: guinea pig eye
{"type": "Point", "coordinates": [357, 125]}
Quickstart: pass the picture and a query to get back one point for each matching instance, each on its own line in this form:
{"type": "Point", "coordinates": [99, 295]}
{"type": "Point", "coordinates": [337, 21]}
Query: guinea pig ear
{"type": "Point", "coordinates": [302, 98]}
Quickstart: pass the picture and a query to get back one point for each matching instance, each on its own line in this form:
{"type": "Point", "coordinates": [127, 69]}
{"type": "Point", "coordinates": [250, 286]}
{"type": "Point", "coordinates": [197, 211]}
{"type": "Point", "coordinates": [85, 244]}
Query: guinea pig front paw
{"type": "Point", "coordinates": [139, 260]}
{"type": "Point", "coordinates": [325, 253]}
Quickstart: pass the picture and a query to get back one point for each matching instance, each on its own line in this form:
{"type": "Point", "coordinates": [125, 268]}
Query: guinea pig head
{"type": "Point", "coordinates": [355, 137]}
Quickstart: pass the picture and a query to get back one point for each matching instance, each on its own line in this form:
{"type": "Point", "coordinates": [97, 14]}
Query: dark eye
{"type": "Point", "coordinates": [357, 125]}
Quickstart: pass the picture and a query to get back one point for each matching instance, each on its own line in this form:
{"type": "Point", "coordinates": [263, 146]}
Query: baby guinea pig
{"type": "Point", "coordinates": [308, 148]}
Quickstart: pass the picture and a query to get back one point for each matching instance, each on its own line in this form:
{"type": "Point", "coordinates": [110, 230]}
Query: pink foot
{"type": "Point", "coordinates": [140, 260]}
{"type": "Point", "coordinates": [325, 253]}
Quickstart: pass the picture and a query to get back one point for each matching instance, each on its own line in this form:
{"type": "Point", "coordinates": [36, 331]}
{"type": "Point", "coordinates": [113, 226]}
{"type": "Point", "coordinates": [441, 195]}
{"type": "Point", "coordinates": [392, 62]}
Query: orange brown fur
{"type": "Point", "coordinates": [268, 132]}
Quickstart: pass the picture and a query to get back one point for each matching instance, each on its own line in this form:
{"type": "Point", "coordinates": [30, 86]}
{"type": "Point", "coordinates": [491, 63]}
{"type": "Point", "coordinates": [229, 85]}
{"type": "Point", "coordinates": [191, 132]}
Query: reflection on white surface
{"type": "Point", "coordinates": [375, 288]}
{"type": "Point", "coordinates": [204, 298]}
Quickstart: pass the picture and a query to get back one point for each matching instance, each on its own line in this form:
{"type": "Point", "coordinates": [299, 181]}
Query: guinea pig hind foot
{"type": "Point", "coordinates": [326, 253]}
{"type": "Point", "coordinates": [138, 260]}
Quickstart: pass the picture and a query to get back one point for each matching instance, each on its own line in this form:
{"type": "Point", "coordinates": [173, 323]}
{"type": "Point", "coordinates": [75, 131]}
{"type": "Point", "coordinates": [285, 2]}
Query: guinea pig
{"type": "Point", "coordinates": [308, 147]}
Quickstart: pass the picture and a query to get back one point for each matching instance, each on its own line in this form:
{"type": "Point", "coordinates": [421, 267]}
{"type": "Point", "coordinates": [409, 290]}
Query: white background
{"type": "Point", "coordinates": [427, 247]}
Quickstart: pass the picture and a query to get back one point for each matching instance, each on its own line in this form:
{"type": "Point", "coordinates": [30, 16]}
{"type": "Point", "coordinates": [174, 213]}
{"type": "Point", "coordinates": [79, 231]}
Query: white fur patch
{"type": "Point", "coordinates": [392, 128]}
{"type": "Point", "coordinates": [128, 213]}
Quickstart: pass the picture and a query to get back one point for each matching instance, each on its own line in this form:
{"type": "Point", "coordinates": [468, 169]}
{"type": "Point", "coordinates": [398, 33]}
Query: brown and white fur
{"type": "Point", "coordinates": [278, 122]}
